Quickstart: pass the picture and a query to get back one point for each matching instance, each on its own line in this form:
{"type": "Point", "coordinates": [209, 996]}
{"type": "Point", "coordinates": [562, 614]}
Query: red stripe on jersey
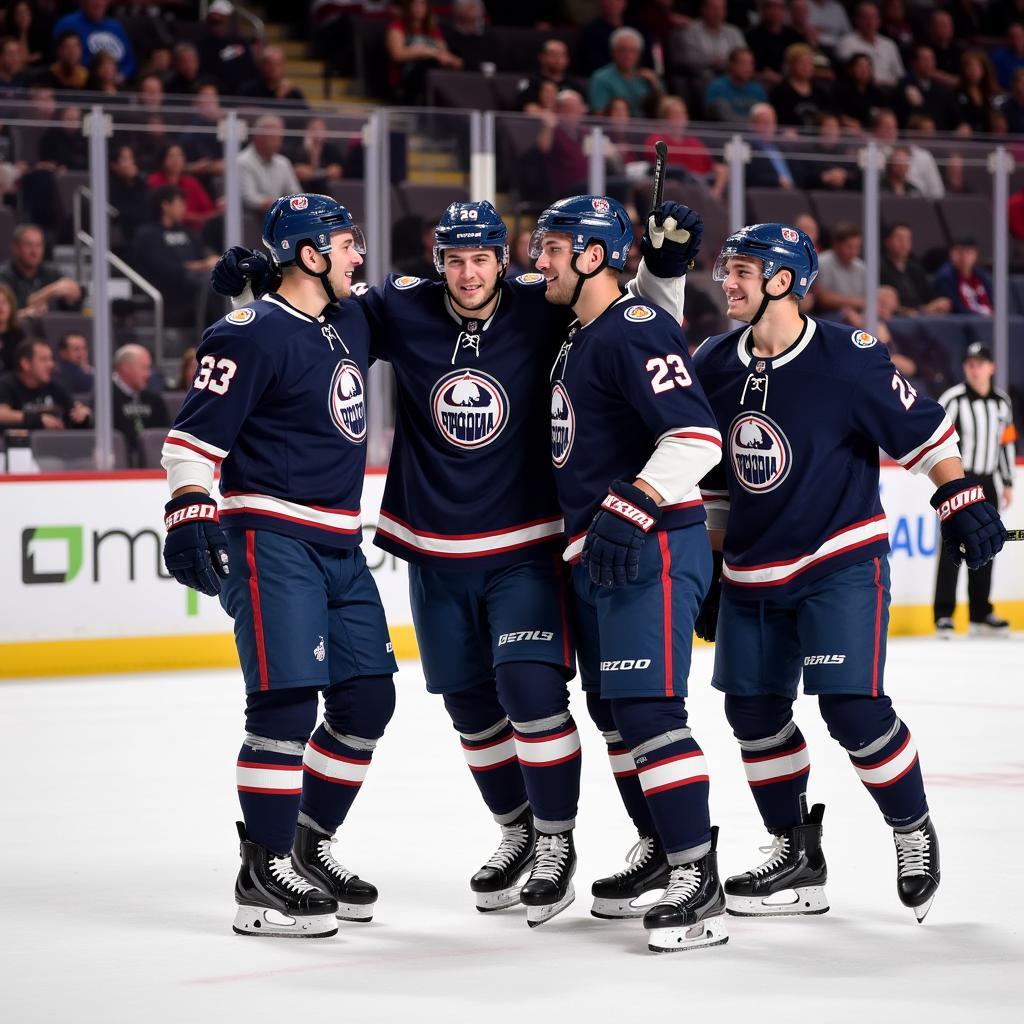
{"type": "Point", "coordinates": [257, 614]}
{"type": "Point", "coordinates": [924, 451]}
{"type": "Point", "coordinates": [666, 597]}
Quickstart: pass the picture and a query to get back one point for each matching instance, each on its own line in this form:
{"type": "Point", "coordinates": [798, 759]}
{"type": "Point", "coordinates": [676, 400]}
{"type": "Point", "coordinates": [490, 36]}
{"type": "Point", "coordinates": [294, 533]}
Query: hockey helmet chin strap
{"type": "Point", "coordinates": [762, 309]}
{"type": "Point", "coordinates": [582, 278]}
{"type": "Point", "coordinates": [324, 275]}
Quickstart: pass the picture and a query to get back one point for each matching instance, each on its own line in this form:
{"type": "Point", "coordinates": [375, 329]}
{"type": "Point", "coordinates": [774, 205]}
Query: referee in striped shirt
{"type": "Point", "coordinates": [983, 417]}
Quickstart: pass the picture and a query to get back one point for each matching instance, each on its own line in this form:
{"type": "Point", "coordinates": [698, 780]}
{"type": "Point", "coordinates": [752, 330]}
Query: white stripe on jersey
{"type": "Point", "coordinates": [337, 520]}
{"type": "Point", "coordinates": [471, 545]}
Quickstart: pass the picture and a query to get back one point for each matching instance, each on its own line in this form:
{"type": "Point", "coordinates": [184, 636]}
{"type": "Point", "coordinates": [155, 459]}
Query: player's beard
{"type": "Point", "coordinates": [560, 291]}
{"type": "Point", "coordinates": [488, 294]}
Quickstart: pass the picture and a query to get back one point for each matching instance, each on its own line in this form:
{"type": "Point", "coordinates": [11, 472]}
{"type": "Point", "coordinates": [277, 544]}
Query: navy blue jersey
{"type": "Point", "coordinates": [620, 387]}
{"type": "Point", "coordinates": [279, 401]}
{"type": "Point", "coordinates": [797, 489]}
{"type": "Point", "coordinates": [465, 487]}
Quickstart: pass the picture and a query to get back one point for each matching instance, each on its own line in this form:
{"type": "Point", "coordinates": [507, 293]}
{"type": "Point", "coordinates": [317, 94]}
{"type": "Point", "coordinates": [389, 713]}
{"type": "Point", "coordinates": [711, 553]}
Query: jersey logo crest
{"type": "Point", "coordinates": [299, 203]}
{"type": "Point", "coordinates": [637, 314]}
{"type": "Point", "coordinates": [470, 408]}
{"type": "Point", "coordinates": [347, 401]}
{"type": "Point", "coordinates": [530, 278]}
{"type": "Point", "coordinates": [240, 317]}
{"type": "Point", "coordinates": [759, 451]}
{"type": "Point", "coordinates": [401, 283]}
{"type": "Point", "coordinates": [563, 425]}
{"type": "Point", "coordinates": [863, 340]}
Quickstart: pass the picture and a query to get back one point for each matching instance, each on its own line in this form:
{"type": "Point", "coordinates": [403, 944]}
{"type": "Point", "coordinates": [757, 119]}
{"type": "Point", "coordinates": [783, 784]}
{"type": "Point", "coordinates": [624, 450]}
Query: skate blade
{"type": "Point", "coordinates": [810, 899]}
{"type": "Point", "coordinates": [975, 629]}
{"type": "Point", "coordinates": [359, 912]}
{"type": "Point", "coordinates": [921, 912]}
{"type": "Point", "coordinates": [710, 932]}
{"type": "Point", "coordinates": [622, 910]}
{"type": "Point", "coordinates": [536, 916]}
{"type": "Point", "coordinates": [263, 921]}
{"type": "Point", "coordinates": [486, 902]}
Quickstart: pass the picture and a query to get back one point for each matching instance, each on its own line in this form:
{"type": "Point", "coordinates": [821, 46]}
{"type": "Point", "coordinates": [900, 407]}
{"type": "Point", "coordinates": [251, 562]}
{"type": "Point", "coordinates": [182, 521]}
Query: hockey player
{"type": "Point", "coordinates": [803, 406]}
{"type": "Point", "coordinates": [631, 436]}
{"type": "Point", "coordinates": [278, 403]}
{"type": "Point", "coordinates": [467, 504]}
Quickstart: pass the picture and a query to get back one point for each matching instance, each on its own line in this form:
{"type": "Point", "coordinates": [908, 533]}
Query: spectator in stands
{"type": "Point", "coordinates": [800, 23]}
{"type": "Point", "coordinates": [963, 282]}
{"type": "Point", "coordinates": [171, 257]}
{"type": "Point", "coordinates": [896, 341]}
{"type": "Point", "coordinates": [136, 408]}
{"type": "Point", "coordinates": [895, 178]}
{"type": "Point", "coordinates": [103, 75]}
{"type": "Point", "coordinates": [553, 69]}
{"type": "Point", "coordinates": [865, 38]}
{"type": "Point", "coordinates": [31, 399]}
{"type": "Point", "coordinates": [471, 39]}
{"type": "Point", "coordinates": [810, 227]}
{"type": "Point", "coordinates": [798, 99]}
{"type": "Point", "coordinates": [1012, 106]}
{"type": "Point", "coordinates": [199, 207]}
{"type": "Point", "coordinates": [830, 20]}
{"type": "Point", "coordinates": [977, 91]}
{"type": "Point", "coordinates": [686, 152]}
{"type": "Point", "coordinates": [33, 36]}
{"type": "Point", "coordinates": [901, 271]}
{"type": "Point", "coordinates": [731, 96]}
{"type": "Point", "coordinates": [74, 370]}
{"type": "Point", "coordinates": [638, 86]}
{"type": "Point", "coordinates": [65, 147]}
{"type": "Point", "coordinates": [187, 369]}
{"type": "Point", "coordinates": [842, 276]}
{"type": "Point", "coordinates": [98, 32]}
{"type": "Point", "coordinates": [415, 46]}
{"type": "Point", "coordinates": [896, 25]}
{"type": "Point", "coordinates": [317, 160]}
{"type": "Point", "coordinates": [594, 41]}
{"type": "Point", "coordinates": [128, 192]}
{"type": "Point", "coordinates": [770, 39]}
{"type": "Point", "coordinates": [705, 45]}
{"type": "Point", "coordinates": [271, 83]}
{"type": "Point", "coordinates": [38, 286]}
{"type": "Point", "coordinates": [185, 79]}
{"type": "Point", "coordinates": [203, 150]}
{"type": "Point", "coordinates": [149, 91]}
{"type": "Point", "coordinates": [12, 334]}
{"type": "Point", "coordinates": [1009, 59]}
{"type": "Point", "coordinates": [920, 92]}
{"type": "Point", "coordinates": [520, 262]}
{"type": "Point", "coordinates": [562, 144]}
{"type": "Point", "coordinates": [224, 56]}
{"type": "Point", "coordinates": [620, 135]}
{"type": "Point", "coordinates": [856, 97]}
{"type": "Point", "coordinates": [67, 71]}
{"type": "Point", "coordinates": [830, 164]}
{"type": "Point", "coordinates": [1015, 209]}
{"type": "Point", "coordinates": [769, 167]}
{"type": "Point", "coordinates": [947, 49]}
{"type": "Point", "coordinates": [13, 80]}
{"type": "Point", "coordinates": [922, 174]}
{"type": "Point", "coordinates": [265, 172]}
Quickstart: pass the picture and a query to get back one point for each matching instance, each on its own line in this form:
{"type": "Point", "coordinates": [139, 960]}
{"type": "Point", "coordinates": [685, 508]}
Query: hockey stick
{"type": "Point", "coordinates": [1010, 535]}
{"type": "Point", "coordinates": [659, 172]}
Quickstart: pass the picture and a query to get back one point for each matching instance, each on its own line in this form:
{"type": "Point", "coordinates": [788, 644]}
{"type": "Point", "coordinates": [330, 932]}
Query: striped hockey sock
{"type": "Point", "coordinates": [777, 770]}
{"type": "Point", "coordinates": [549, 759]}
{"type": "Point", "coordinates": [891, 772]}
{"type": "Point", "coordinates": [269, 778]}
{"type": "Point", "coordinates": [334, 766]}
{"type": "Point", "coordinates": [626, 779]}
{"type": "Point", "coordinates": [491, 756]}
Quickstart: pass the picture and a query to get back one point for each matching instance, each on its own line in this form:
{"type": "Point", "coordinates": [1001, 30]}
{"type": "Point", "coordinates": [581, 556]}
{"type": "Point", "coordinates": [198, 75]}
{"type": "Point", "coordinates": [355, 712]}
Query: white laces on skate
{"type": "Point", "coordinates": [637, 857]}
{"type": "Point", "coordinates": [912, 852]}
{"type": "Point", "coordinates": [777, 852]}
{"type": "Point", "coordinates": [281, 868]}
{"type": "Point", "coordinates": [551, 855]}
{"type": "Point", "coordinates": [513, 840]}
{"type": "Point", "coordinates": [334, 866]}
{"type": "Point", "coordinates": [683, 883]}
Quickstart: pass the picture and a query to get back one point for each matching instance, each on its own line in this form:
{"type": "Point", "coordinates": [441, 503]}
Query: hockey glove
{"type": "Point", "coordinates": [195, 550]}
{"type": "Point", "coordinates": [672, 239]}
{"type": "Point", "coordinates": [971, 528]}
{"type": "Point", "coordinates": [239, 267]}
{"type": "Point", "coordinates": [706, 623]}
{"type": "Point", "coordinates": [611, 551]}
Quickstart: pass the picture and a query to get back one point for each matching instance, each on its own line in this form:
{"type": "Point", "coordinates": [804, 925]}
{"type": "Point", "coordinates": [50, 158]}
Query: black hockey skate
{"type": "Point", "coordinates": [497, 883]}
{"type": "Point", "coordinates": [917, 864]}
{"type": "Point", "coordinates": [691, 914]}
{"type": "Point", "coordinates": [616, 896]}
{"type": "Point", "coordinates": [273, 900]}
{"type": "Point", "coordinates": [548, 890]}
{"type": "Point", "coordinates": [791, 881]}
{"type": "Point", "coordinates": [312, 858]}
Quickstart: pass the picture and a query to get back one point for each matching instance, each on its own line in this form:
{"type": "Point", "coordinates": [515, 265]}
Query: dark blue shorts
{"type": "Point", "coordinates": [636, 640]}
{"type": "Point", "coordinates": [305, 614]}
{"type": "Point", "coordinates": [833, 629]}
{"type": "Point", "coordinates": [468, 622]}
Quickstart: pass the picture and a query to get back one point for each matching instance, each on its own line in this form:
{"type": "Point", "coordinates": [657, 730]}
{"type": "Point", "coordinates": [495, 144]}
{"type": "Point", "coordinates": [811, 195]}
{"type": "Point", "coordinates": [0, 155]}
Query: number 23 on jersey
{"type": "Point", "coordinates": [667, 372]}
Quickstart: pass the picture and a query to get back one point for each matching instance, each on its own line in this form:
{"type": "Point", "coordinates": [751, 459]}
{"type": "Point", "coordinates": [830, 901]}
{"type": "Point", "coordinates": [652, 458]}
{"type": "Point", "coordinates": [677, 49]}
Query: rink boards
{"type": "Point", "coordinates": [85, 590]}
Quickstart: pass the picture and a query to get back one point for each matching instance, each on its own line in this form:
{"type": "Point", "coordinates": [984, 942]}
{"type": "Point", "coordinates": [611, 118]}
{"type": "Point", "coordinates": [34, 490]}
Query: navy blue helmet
{"type": "Point", "coordinates": [306, 217]}
{"type": "Point", "coordinates": [470, 226]}
{"type": "Point", "coordinates": [777, 246]}
{"type": "Point", "coordinates": [587, 219]}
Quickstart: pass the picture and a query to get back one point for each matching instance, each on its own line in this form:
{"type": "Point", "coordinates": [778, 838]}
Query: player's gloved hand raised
{"type": "Point", "coordinates": [672, 239]}
{"type": "Point", "coordinates": [239, 267]}
{"type": "Point", "coordinates": [971, 528]}
{"type": "Point", "coordinates": [195, 550]}
{"type": "Point", "coordinates": [611, 551]}
{"type": "Point", "coordinates": [706, 623]}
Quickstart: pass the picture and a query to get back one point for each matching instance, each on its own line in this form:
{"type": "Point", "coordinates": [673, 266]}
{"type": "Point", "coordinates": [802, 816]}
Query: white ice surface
{"type": "Point", "coordinates": [118, 855]}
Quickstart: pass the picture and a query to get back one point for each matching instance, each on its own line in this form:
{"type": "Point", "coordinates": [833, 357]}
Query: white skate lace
{"type": "Point", "coordinates": [513, 840]}
{"type": "Point", "coordinates": [551, 853]}
{"type": "Point", "coordinates": [281, 868]}
{"type": "Point", "coordinates": [683, 883]}
{"type": "Point", "coordinates": [912, 850]}
{"type": "Point", "coordinates": [334, 866]}
{"type": "Point", "coordinates": [639, 854]}
{"type": "Point", "coordinates": [777, 852]}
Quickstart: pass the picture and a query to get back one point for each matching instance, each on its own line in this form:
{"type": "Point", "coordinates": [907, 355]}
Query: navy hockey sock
{"type": "Point", "coordinates": [269, 777]}
{"type": "Point", "coordinates": [882, 753]}
{"type": "Point", "coordinates": [335, 766]}
{"type": "Point", "coordinates": [775, 757]}
{"type": "Point", "coordinates": [671, 771]}
{"type": "Point", "coordinates": [623, 767]}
